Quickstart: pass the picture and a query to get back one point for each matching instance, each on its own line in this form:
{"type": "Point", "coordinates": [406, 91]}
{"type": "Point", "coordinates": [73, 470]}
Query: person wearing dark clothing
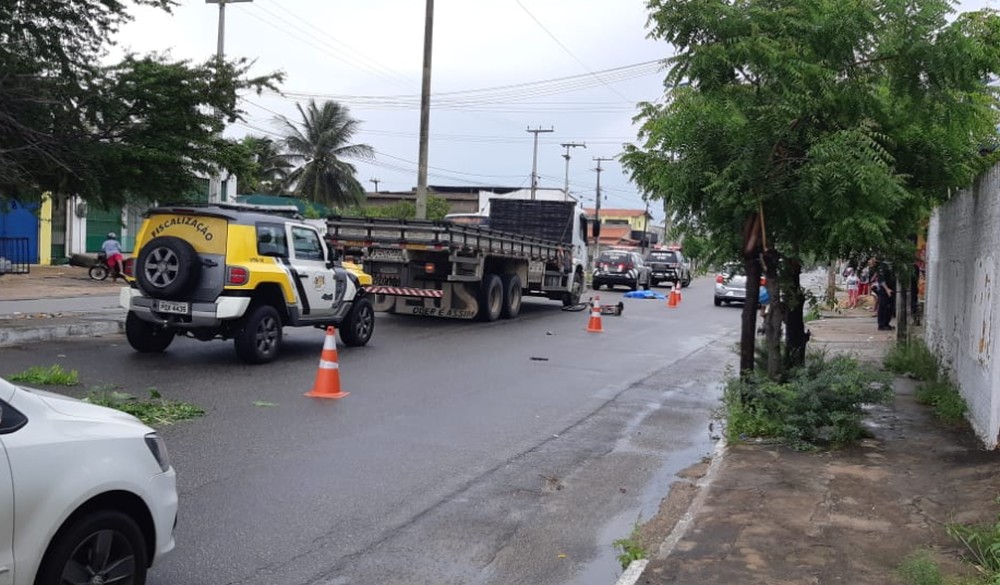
{"type": "Point", "coordinates": [884, 285]}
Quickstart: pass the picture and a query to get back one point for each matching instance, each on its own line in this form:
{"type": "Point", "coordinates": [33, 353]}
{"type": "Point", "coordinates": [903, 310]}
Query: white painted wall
{"type": "Point", "coordinates": [962, 297]}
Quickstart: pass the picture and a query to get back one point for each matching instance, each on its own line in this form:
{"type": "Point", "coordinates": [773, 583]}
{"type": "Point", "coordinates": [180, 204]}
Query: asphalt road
{"type": "Point", "coordinates": [466, 453]}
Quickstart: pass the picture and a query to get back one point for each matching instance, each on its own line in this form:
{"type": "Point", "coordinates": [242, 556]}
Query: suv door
{"type": "Point", "coordinates": [315, 284]}
{"type": "Point", "coordinates": [6, 511]}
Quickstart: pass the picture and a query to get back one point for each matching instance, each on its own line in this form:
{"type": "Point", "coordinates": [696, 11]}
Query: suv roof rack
{"type": "Point", "coordinates": [290, 211]}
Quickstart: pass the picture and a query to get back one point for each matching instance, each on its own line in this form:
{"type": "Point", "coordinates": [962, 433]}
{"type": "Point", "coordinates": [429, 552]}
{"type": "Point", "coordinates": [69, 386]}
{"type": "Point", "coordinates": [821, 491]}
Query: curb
{"type": "Point", "coordinates": [13, 336]}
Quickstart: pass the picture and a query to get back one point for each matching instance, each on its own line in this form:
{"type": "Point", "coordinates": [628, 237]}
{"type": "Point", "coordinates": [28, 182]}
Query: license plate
{"type": "Point", "coordinates": [173, 307]}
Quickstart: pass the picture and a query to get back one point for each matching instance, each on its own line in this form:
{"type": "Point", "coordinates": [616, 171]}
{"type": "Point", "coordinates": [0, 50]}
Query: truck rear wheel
{"type": "Point", "coordinates": [511, 296]}
{"type": "Point", "coordinates": [490, 298]}
{"type": "Point", "coordinates": [259, 340]}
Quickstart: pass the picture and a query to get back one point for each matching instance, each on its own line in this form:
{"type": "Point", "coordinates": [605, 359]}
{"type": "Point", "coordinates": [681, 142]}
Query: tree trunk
{"type": "Point", "coordinates": [772, 324]}
{"type": "Point", "coordinates": [831, 284]}
{"type": "Point", "coordinates": [795, 330]}
{"type": "Point", "coordinates": [748, 337]}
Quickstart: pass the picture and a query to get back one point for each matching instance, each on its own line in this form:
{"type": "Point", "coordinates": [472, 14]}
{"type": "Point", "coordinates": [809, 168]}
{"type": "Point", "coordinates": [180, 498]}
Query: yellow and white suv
{"type": "Point", "coordinates": [239, 272]}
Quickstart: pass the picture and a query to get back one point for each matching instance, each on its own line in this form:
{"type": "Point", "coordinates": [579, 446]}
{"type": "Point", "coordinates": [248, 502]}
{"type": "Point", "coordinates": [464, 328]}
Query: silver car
{"type": "Point", "coordinates": [730, 285]}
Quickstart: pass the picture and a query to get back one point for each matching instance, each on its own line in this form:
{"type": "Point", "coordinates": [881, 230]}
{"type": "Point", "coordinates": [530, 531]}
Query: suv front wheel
{"type": "Point", "coordinates": [359, 325]}
{"type": "Point", "coordinates": [259, 340]}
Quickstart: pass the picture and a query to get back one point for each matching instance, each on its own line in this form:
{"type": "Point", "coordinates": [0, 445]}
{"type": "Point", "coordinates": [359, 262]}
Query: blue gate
{"type": "Point", "coordinates": [21, 221]}
{"type": "Point", "coordinates": [14, 256]}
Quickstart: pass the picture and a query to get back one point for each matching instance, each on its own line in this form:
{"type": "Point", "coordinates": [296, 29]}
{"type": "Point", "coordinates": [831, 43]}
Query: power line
{"type": "Point", "coordinates": [570, 53]}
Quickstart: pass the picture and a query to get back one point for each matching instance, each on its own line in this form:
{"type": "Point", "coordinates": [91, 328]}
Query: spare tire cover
{"type": "Point", "coordinates": [167, 267]}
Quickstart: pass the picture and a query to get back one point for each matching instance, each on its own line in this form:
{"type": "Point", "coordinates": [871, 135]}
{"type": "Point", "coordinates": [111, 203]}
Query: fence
{"type": "Point", "coordinates": [14, 257]}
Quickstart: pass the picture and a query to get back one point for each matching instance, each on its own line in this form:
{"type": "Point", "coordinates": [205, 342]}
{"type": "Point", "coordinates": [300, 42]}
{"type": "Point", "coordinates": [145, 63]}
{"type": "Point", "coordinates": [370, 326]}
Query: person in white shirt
{"type": "Point", "coordinates": [113, 252]}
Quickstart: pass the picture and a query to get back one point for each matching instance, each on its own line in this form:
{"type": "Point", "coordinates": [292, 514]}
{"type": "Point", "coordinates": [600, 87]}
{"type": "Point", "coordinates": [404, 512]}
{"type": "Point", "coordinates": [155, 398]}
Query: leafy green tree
{"type": "Point", "coordinates": [322, 143]}
{"type": "Point", "coordinates": [141, 128]}
{"type": "Point", "coordinates": [271, 167]}
{"type": "Point", "coordinates": [800, 128]}
{"type": "Point", "coordinates": [437, 208]}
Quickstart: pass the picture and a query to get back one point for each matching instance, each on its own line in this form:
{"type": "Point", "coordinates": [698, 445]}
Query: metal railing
{"type": "Point", "coordinates": [14, 256]}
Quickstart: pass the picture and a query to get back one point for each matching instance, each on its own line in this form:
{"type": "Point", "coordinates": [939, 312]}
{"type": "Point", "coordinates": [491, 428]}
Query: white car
{"type": "Point", "coordinates": [87, 493]}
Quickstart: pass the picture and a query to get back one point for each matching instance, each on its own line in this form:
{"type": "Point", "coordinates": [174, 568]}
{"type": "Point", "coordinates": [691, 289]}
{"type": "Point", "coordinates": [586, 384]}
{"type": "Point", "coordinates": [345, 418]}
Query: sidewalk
{"type": "Point", "coordinates": [53, 302]}
{"type": "Point", "coordinates": [764, 514]}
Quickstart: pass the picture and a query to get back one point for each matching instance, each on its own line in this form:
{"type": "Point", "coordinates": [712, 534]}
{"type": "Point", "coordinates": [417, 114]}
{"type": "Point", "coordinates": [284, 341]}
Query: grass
{"type": "Point", "coordinates": [51, 376]}
{"type": "Point", "coordinates": [629, 548]}
{"type": "Point", "coordinates": [982, 553]}
{"type": "Point", "coordinates": [154, 411]}
{"type": "Point", "coordinates": [914, 359]}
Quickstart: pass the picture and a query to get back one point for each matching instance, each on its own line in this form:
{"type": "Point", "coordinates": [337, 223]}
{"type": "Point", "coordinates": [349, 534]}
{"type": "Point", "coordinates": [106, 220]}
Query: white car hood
{"type": "Point", "coordinates": [69, 406]}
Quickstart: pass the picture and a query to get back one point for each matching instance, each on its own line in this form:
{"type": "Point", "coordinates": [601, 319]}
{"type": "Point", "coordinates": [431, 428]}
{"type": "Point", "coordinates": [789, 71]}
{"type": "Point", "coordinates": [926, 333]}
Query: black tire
{"type": "Point", "coordinates": [634, 285]}
{"type": "Point", "coordinates": [718, 302]}
{"type": "Point", "coordinates": [82, 550]}
{"type": "Point", "coordinates": [359, 325]}
{"type": "Point", "coordinates": [686, 283]}
{"type": "Point", "coordinates": [512, 296]}
{"type": "Point", "coordinates": [490, 298]}
{"type": "Point", "coordinates": [146, 337]}
{"type": "Point", "coordinates": [572, 298]}
{"type": "Point", "coordinates": [98, 272]}
{"type": "Point", "coordinates": [259, 340]}
{"type": "Point", "coordinates": [645, 286]}
{"type": "Point", "coordinates": [167, 267]}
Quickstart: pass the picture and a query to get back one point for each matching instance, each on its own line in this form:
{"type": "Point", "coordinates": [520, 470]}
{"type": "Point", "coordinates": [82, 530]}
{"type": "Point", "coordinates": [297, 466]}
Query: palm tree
{"type": "Point", "coordinates": [322, 144]}
{"type": "Point", "coordinates": [273, 167]}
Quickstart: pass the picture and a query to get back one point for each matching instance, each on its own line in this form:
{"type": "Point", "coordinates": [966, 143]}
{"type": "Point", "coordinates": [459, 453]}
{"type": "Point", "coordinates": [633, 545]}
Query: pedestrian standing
{"type": "Point", "coordinates": [885, 282]}
{"type": "Point", "coordinates": [853, 286]}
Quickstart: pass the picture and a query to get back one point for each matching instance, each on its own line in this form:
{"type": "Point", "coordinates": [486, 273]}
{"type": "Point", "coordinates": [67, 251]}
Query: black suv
{"type": "Point", "coordinates": [668, 265]}
{"type": "Point", "coordinates": [620, 267]}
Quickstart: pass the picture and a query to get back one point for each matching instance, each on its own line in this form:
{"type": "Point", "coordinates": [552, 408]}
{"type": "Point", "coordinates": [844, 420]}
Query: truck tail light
{"type": "Point", "coordinates": [237, 275]}
{"type": "Point", "coordinates": [128, 267]}
{"type": "Point", "coordinates": [429, 268]}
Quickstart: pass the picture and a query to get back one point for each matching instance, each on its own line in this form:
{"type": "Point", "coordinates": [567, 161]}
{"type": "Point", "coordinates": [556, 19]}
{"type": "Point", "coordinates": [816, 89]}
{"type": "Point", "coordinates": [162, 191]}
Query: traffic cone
{"type": "Point", "coordinates": [679, 289]}
{"type": "Point", "coordinates": [328, 375]}
{"type": "Point", "coordinates": [673, 299]}
{"type": "Point", "coordinates": [595, 317]}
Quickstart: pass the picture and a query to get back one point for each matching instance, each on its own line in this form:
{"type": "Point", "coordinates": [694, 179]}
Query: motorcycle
{"type": "Point", "coordinates": [101, 270]}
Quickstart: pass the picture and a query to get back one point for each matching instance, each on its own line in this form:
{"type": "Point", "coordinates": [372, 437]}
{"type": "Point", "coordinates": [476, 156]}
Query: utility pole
{"type": "Point", "coordinates": [215, 183]}
{"type": "Point", "coordinates": [645, 228]}
{"type": "Point", "coordinates": [567, 146]}
{"type": "Point", "coordinates": [376, 181]}
{"type": "Point", "coordinates": [425, 112]}
{"type": "Point", "coordinates": [534, 160]}
{"type": "Point", "coordinates": [597, 211]}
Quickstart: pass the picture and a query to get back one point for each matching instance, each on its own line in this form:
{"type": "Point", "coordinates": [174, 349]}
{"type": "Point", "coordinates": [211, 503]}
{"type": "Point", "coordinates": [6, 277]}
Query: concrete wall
{"type": "Point", "coordinates": [962, 312]}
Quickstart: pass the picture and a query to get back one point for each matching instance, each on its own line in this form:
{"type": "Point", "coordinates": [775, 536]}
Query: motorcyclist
{"type": "Point", "coordinates": [113, 253]}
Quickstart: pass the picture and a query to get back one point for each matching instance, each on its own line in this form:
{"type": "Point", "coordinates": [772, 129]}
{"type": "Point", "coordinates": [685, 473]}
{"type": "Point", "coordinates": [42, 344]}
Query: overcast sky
{"type": "Point", "coordinates": [499, 67]}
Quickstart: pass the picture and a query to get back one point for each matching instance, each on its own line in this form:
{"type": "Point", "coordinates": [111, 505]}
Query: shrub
{"type": "Point", "coordinates": [820, 403]}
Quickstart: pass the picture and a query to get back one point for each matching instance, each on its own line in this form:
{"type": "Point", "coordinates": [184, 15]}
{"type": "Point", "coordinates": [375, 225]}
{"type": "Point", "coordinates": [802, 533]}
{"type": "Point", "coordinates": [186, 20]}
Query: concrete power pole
{"type": "Point", "coordinates": [567, 146]}
{"type": "Point", "coordinates": [597, 206]}
{"type": "Point", "coordinates": [215, 182]}
{"type": "Point", "coordinates": [425, 112]}
{"type": "Point", "coordinates": [534, 161]}
{"type": "Point", "coordinates": [376, 181]}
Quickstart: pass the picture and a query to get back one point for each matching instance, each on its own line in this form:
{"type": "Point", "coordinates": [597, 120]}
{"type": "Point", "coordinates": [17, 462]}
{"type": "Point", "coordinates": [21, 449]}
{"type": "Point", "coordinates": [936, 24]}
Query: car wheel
{"type": "Point", "coordinates": [490, 298]}
{"type": "Point", "coordinates": [645, 286]}
{"type": "Point", "coordinates": [686, 283]}
{"type": "Point", "coordinates": [167, 267]}
{"type": "Point", "coordinates": [511, 296]}
{"type": "Point", "coordinates": [98, 272]}
{"type": "Point", "coordinates": [146, 337]}
{"type": "Point", "coordinates": [259, 340]}
{"type": "Point", "coordinates": [718, 302]}
{"type": "Point", "coordinates": [357, 328]}
{"type": "Point", "coordinates": [572, 298]}
{"type": "Point", "coordinates": [105, 546]}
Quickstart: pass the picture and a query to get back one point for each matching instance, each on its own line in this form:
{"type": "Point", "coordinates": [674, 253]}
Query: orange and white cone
{"type": "Point", "coordinates": [679, 289]}
{"type": "Point", "coordinates": [327, 383]}
{"type": "Point", "coordinates": [674, 298]}
{"type": "Point", "coordinates": [595, 317]}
